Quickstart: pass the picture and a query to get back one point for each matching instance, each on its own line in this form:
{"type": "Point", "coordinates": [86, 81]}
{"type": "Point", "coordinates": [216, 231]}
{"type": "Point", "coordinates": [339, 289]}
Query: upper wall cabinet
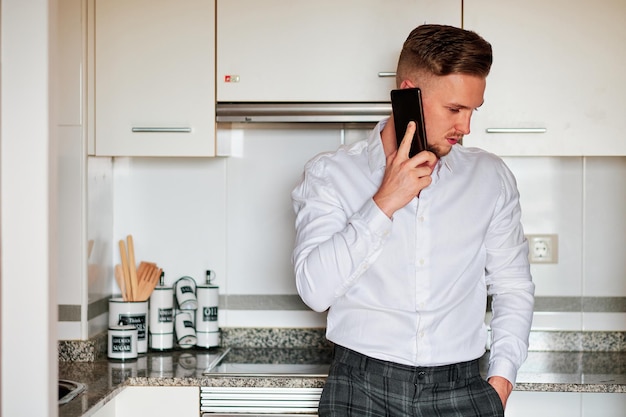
{"type": "Point", "coordinates": [155, 77]}
{"type": "Point", "coordinates": [317, 51]}
{"type": "Point", "coordinates": [556, 86]}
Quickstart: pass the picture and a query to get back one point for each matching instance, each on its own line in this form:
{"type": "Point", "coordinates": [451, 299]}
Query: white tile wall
{"type": "Point", "coordinates": [551, 191]}
{"type": "Point", "coordinates": [234, 215]}
{"type": "Point", "coordinates": [175, 208]}
{"type": "Point", "coordinates": [260, 217]}
{"type": "Point", "coordinates": [604, 238]}
{"type": "Point", "coordinates": [72, 191]}
{"type": "Point", "coordinates": [99, 249]}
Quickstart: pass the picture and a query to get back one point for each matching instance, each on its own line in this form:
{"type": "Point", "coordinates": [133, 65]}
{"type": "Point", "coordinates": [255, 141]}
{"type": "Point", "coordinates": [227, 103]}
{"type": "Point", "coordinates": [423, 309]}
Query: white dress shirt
{"type": "Point", "coordinates": [413, 289]}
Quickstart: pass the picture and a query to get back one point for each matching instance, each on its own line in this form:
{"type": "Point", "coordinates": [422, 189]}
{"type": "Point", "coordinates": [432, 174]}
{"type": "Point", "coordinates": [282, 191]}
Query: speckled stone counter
{"type": "Point", "coordinates": [543, 371]}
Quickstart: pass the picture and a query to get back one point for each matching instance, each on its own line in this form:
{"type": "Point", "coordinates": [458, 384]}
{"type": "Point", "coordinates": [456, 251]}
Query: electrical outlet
{"type": "Point", "coordinates": [543, 249]}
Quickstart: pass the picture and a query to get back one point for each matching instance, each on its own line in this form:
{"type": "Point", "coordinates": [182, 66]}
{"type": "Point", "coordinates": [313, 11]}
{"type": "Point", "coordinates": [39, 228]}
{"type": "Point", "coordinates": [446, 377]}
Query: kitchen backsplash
{"type": "Point", "coordinates": [233, 215]}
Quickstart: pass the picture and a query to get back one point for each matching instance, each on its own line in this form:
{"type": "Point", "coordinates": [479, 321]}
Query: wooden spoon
{"type": "Point", "coordinates": [128, 286]}
{"type": "Point", "coordinates": [132, 266]}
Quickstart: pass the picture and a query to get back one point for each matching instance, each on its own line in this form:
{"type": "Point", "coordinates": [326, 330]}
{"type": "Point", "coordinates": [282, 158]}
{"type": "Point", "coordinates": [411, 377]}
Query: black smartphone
{"type": "Point", "coordinates": [406, 105]}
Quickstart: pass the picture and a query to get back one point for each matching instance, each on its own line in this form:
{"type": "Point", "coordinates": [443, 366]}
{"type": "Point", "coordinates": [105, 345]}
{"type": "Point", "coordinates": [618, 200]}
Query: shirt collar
{"type": "Point", "coordinates": [377, 159]}
{"type": "Point", "coordinates": [448, 160]}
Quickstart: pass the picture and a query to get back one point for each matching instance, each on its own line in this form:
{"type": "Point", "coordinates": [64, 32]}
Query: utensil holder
{"type": "Point", "coordinates": [134, 313]}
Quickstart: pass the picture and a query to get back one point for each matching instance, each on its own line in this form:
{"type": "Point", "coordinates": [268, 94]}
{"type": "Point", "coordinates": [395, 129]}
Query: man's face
{"type": "Point", "coordinates": [449, 102]}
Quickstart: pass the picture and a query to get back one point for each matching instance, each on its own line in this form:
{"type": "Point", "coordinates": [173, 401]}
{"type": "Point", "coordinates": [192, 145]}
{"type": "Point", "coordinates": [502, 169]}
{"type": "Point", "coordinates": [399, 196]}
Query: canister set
{"type": "Point", "coordinates": [185, 314]}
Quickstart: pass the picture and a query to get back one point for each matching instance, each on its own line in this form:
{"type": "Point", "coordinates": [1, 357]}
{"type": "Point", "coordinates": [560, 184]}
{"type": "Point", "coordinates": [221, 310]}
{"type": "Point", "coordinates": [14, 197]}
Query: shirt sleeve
{"type": "Point", "coordinates": [509, 282]}
{"type": "Point", "coordinates": [332, 248]}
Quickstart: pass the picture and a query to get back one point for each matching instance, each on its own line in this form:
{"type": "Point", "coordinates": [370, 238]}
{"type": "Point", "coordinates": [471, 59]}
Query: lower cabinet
{"type": "Point", "coordinates": [185, 402]}
{"type": "Point", "coordinates": [156, 402]}
{"type": "Point", "coordinates": [107, 410]}
{"type": "Point", "coordinates": [565, 404]}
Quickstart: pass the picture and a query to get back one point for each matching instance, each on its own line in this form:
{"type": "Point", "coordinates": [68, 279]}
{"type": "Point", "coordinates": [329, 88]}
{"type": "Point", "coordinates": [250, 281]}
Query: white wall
{"type": "Point", "coordinates": [28, 207]}
{"type": "Point", "coordinates": [234, 215]}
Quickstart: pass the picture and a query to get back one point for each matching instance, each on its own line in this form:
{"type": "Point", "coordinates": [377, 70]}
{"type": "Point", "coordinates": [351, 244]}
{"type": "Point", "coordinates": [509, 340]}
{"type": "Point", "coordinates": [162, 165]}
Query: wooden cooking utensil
{"type": "Point", "coordinates": [128, 286]}
{"type": "Point", "coordinates": [147, 285]}
{"type": "Point", "coordinates": [136, 283]}
{"type": "Point", "coordinates": [144, 270]}
{"type": "Point", "coordinates": [141, 271]}
{"type": "Point", "coordinates": [132, 265]}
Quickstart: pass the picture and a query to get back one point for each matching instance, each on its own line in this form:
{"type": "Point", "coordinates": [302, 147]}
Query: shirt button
{"type": "Point", "coordinates": [421, 219]}
{"type": "Point", "coordinates": [422, 261]}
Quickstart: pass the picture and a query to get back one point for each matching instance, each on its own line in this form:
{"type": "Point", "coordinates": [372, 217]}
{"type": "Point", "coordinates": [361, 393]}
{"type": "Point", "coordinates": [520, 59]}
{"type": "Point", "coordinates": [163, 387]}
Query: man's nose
{"type": "Point", "coordinates": [463, 124]}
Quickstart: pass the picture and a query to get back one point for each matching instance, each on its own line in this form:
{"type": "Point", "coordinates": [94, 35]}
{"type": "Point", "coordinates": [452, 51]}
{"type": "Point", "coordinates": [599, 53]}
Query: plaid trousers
{"type": "Point", "coordinates": [359, 386]}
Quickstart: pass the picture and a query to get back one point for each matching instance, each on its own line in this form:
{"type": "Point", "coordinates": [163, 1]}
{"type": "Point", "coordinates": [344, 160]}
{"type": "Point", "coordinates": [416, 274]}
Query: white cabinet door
{"type": "Point", "coordinates": [70, 62]}
{"type": "Point", "coordinates": [158, 402]}
{"type": "Point", "coordinates": [543, 404]}
{"type": "Point", "coordinates": [558, 65]}
{"type": "Point", "coordinates": [565, 404]}
{"type": "Point", "coordinates": [155, 77]}
{"type": "Point", "coordinates": [604, 404]}
{"type": "Point", "coordinates": [107, 410]}
{"type": "Point", "coordinates": [317, 51]}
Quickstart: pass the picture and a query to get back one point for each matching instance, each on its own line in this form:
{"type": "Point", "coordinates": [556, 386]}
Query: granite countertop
{"type": "Point", "coordinates": [543, 371]}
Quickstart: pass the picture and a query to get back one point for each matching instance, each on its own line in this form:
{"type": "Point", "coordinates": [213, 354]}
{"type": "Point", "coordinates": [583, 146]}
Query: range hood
{"type": "Point", "coordinates": [301, 112]}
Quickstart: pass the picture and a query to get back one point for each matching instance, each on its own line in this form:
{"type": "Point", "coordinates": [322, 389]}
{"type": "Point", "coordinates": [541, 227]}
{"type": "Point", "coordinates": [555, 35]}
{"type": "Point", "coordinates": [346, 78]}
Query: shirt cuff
{"type": "Point", "coordinates": [377, 220]}
{"type": "Point", "coordinates": [503, 368]}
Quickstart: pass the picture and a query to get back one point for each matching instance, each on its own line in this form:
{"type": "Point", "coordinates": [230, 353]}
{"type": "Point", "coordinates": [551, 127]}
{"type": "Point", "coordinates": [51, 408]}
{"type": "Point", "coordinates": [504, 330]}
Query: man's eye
{"type": "Point", "coordinates": [454, 110]}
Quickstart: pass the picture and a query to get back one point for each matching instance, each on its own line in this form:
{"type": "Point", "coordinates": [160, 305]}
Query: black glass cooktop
{"type": "Point", "coordinates": [270, 362]}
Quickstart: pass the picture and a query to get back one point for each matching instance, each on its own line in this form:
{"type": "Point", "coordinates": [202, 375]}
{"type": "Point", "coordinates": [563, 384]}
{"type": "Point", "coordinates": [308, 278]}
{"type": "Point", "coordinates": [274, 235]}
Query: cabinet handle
{"type": "Point", "coordinates": [384, 74]}
{"type": "Point", "coordinates": [516, 130]}
{"type": "Point", "coordinates": [161, 130]}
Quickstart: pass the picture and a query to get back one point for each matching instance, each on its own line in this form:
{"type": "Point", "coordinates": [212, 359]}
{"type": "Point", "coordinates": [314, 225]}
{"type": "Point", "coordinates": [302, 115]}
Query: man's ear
{"type": "Point", "coordinates": [407, 84]}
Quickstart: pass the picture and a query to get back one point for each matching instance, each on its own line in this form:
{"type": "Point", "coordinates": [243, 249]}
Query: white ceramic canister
{"type": "Point", "coordinates": [207, 327]}
{"type": "Point", "coordinates": [185, 292]}
{"type": "Point", "coordinates": [185, 332]}
{"type": "Point", "coordinates": [122, 342]}
{"type": "Point", "coordinates": [131, 312]}
{"type": "Point", "coordinates": [161, 334]}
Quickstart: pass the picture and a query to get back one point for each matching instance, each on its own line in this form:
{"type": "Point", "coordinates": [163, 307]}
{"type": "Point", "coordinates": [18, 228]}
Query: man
{"type": "Point", "coordinates": [403, 252]}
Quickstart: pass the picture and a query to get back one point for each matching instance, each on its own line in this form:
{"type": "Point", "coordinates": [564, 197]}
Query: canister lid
{"type": "Point", "coordinates": [120, 300]}
{"type": "Point", "coordinates": [207, 286]}
{"type": "Point", "coordinates": [122, 327]}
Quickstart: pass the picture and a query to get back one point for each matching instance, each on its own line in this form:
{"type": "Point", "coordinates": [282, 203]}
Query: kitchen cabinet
{"type": "Point", "coordinates": [317, 51]}
{"type": "Point", "coordinates": [71, 164]}
{"type": "Point", "coordinates": [107, 410]}
{"type": "Point", "coordinates": [565, 404]}
{"type": "Point", "coordinates": [566, 78]}
{"type": "Point", "coordinates": [154, 77]}
{"type": "Point", "coordinates": [158, 402]}
{"type": "Point", "coordinates": [69, 64]}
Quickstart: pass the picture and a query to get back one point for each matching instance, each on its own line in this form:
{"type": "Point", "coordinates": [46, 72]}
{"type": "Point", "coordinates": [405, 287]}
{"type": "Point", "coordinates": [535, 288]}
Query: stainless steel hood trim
{"type": "Point", "coordinates": [301, 112]}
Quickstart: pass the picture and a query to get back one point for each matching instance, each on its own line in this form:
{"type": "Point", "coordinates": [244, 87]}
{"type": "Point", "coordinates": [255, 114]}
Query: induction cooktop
{"type": "Point", "coordinates": [222, 366]}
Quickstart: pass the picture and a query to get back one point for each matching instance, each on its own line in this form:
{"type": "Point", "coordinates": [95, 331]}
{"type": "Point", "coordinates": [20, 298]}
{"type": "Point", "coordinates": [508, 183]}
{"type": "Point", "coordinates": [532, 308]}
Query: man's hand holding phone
{"type": "Point", "coordinates": [404, 177]}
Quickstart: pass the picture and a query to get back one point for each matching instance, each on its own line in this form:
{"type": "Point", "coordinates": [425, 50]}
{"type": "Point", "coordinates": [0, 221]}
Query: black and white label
{"type": "Point", "coordinates": [121, 344]}
{"type": "Point", "coordinates": [166, 315]}
{"type": "Point", "coordinates": [209, 313]}
{"type": "Point", "coordinates": [137, 320]}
